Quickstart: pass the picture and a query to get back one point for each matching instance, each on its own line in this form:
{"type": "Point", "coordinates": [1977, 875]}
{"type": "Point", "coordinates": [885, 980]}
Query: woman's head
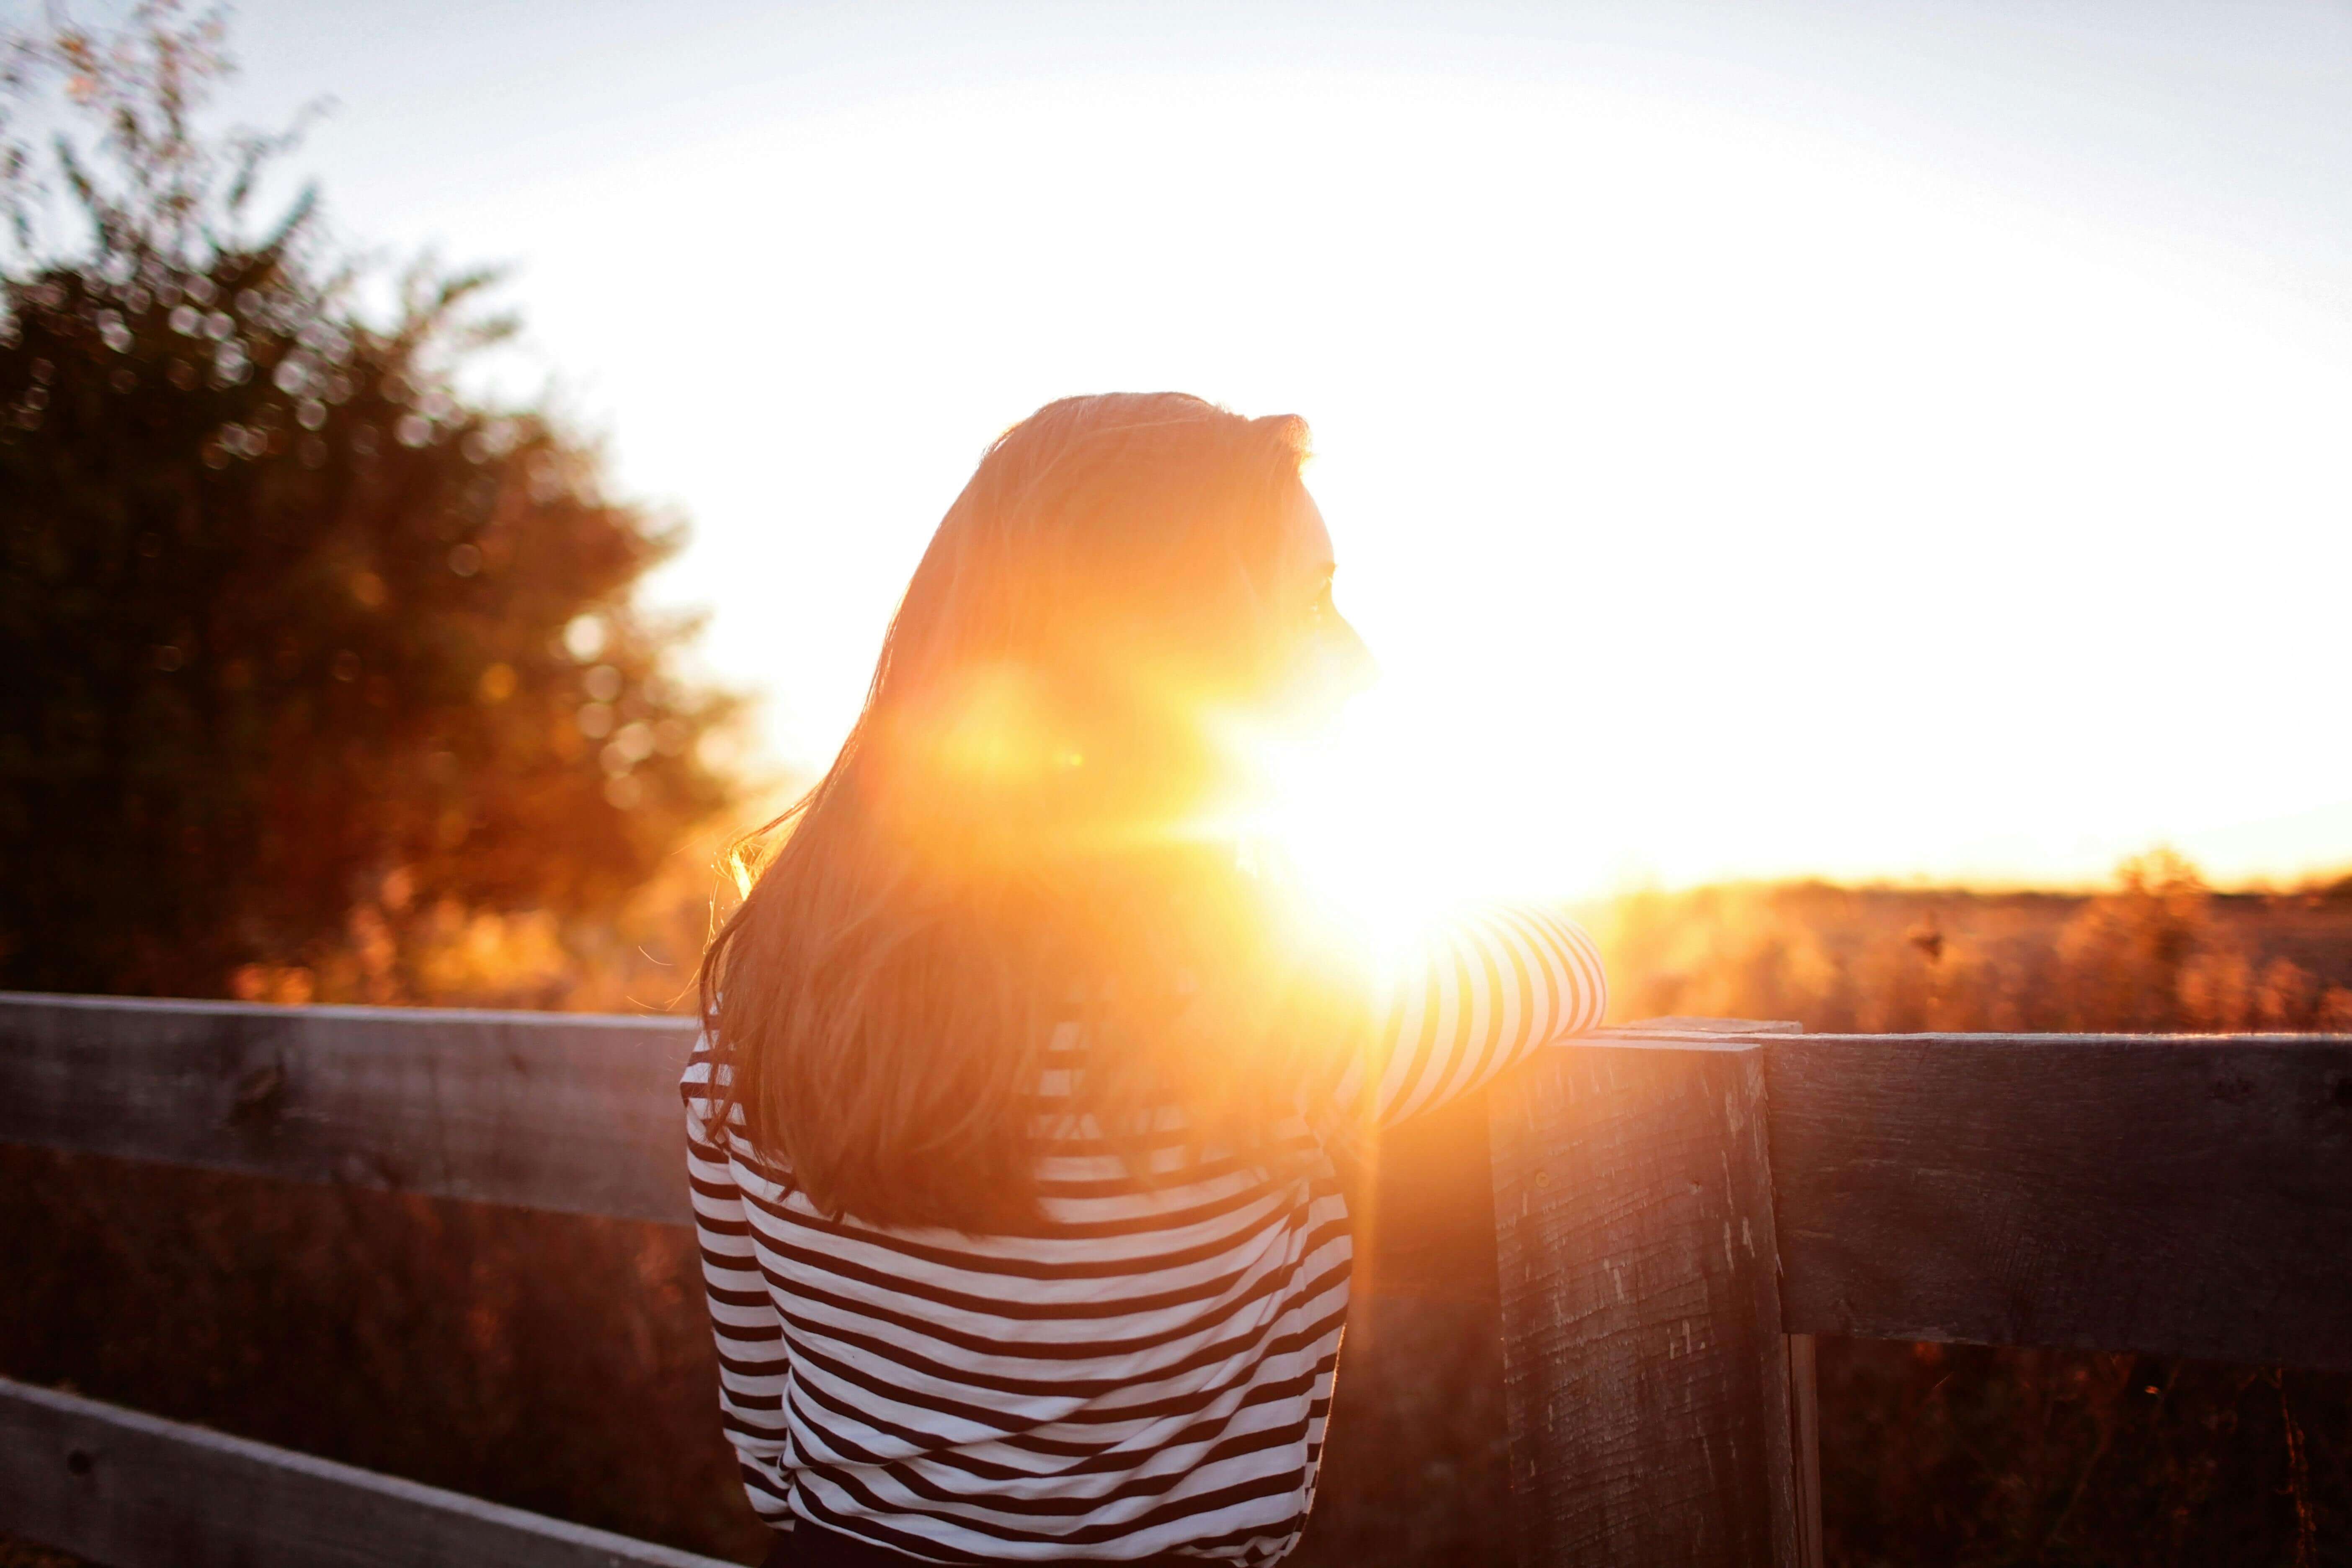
{"type": "Point", "coordinates": [1121, 573]}
{"type": "Point", "coordinates": [1017, 832]}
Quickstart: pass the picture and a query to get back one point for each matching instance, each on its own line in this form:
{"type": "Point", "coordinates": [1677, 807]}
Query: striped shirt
{"type": "Point", "coordinates": [1149, 1371]}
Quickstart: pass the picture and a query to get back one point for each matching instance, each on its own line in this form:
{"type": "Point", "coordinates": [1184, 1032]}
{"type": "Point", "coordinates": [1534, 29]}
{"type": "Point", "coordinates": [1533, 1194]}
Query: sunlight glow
{"type": "Point", "coordinates": [1643, 433]}
{"type": "Point", "coordinates": [1372, 859]}
{"type": "Point", "coordinates": [1727, 493]}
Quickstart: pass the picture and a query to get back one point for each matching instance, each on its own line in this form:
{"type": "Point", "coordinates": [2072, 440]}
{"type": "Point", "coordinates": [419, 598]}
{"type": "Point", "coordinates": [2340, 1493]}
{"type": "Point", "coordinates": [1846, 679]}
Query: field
{"type": "Point", "coordinates": [562, 1363]}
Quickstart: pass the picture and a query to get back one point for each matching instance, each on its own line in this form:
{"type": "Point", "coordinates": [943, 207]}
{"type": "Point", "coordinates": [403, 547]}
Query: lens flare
{"type": "Point", "coordinates": [1371, 858]}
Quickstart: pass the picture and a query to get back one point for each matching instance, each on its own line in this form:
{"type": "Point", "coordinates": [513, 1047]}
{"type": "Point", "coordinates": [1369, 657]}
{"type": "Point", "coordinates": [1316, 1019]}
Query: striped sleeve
{"type": "Point", "coordinates": [1476, 996]}
{"type": "Point", "coordinates": [753, 1357]}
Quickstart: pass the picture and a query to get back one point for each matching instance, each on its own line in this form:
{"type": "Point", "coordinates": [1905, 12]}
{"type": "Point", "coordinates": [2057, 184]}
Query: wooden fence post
{"type": "Point", "coordinates": [1658, 1414]}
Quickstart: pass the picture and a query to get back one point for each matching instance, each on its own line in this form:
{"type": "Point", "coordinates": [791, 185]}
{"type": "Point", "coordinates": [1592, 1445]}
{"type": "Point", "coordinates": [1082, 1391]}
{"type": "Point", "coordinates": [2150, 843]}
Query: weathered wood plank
{"type": "Point", "coordinates": [567, 1111]}
{"type": "Point", "coordinates": [133, 1492]}
{"type": "Point", "coordinates": [544, 1110]}
{"type": "Point", "coordinates": [1645, 1374]}
{"type": "Point", "coordinates": [1423, 1209]}
{"type": "Point", "coordinates": [2182, 1195]}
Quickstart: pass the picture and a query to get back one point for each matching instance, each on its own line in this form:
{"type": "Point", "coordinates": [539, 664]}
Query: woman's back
{"type": "Point", "coordinates": [1146, 1369]}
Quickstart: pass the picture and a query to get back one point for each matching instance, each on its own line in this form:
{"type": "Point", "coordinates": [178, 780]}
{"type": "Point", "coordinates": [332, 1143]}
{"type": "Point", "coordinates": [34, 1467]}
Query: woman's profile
{"type": "Point", "coordinates": [1023, 1066]}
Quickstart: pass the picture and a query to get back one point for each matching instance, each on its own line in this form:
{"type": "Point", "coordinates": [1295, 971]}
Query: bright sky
{"type": "Point", "coordinates": [1874, 439]}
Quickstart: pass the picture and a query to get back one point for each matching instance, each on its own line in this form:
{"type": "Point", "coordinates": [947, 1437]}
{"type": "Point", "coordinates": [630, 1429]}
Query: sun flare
{"type": "Point", "coordinates": [1369, 856]}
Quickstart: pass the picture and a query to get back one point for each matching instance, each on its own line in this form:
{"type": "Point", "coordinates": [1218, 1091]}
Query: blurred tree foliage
{"type": "Point", "coordinates": [308, 663]}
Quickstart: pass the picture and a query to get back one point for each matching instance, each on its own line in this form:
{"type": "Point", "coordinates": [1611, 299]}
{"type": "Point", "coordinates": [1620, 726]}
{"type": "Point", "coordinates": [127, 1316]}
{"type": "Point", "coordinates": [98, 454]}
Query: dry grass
{"type": "Point", "coordinates": [2161, 951]}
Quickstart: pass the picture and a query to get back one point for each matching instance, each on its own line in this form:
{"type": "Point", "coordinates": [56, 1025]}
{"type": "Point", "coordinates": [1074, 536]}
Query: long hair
{"type": "Point", "coordinates": [1013, 839]}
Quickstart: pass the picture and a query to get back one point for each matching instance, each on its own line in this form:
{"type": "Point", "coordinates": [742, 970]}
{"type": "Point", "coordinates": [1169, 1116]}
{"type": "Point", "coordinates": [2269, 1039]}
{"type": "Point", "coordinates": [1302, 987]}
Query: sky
{"type": "Point", "coordinates": [1878, 440]}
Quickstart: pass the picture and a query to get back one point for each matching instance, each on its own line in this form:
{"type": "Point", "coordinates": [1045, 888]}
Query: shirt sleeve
{"type": "Point", "coordinates": [753, 1359]}
{"type": "Point", "coordinates": [1474, 996]}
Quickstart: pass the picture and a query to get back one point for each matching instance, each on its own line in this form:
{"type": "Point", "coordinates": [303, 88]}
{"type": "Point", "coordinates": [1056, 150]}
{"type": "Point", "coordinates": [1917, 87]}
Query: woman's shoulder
{"type": "Point", "coordinates": [704, 1070]}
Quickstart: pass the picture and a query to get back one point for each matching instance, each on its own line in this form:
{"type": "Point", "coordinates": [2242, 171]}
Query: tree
{"type": "Point", "coordinates": [301, 649]}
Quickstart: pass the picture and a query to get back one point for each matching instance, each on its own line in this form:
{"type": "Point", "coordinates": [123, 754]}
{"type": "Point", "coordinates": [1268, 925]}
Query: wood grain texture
{"type": "Point", "coordinates": [2181, 1196]}
{"type": "Point", "coordinates": [562, 1111]}
{"type": "Point", "coordinates": [1646, 1378]}
{"type": "Point", "coordinates": [133, 1492]}
{"type": "Point", "coordinates": [568, 1111]}
{"type": "Point", "coordinates": [1423, 1203]}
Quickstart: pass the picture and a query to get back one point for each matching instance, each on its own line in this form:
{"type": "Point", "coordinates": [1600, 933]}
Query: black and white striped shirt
{"type": "Point", "coordinates": [1149, 1372]}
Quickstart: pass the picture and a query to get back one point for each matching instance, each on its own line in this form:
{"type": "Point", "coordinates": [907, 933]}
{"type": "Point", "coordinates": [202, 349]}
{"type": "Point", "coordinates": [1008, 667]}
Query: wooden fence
{"type": "Point", "coordinates": [1669, 1212]}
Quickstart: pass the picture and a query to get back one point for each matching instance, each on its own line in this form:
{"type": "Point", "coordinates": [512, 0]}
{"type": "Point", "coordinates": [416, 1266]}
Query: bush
{"type": "Point", "coordinates": [317, 677]}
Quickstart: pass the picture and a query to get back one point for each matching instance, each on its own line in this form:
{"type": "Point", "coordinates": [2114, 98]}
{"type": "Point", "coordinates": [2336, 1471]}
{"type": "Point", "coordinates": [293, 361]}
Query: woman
{"type": "Point", "coordinates": [1022, 1066]}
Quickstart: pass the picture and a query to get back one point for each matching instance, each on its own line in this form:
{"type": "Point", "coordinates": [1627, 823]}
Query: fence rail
{"type": "Point", "coordinates": [131, 1490]}
{"type": "Point", "coordinates": [1666, 1212]}
{"type": "Point", "coordinates": [546, 1110]}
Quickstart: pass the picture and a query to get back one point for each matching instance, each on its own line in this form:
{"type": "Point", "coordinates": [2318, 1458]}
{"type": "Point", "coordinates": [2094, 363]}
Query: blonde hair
{"type": "Point", "coordinates": [1008, 840]}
